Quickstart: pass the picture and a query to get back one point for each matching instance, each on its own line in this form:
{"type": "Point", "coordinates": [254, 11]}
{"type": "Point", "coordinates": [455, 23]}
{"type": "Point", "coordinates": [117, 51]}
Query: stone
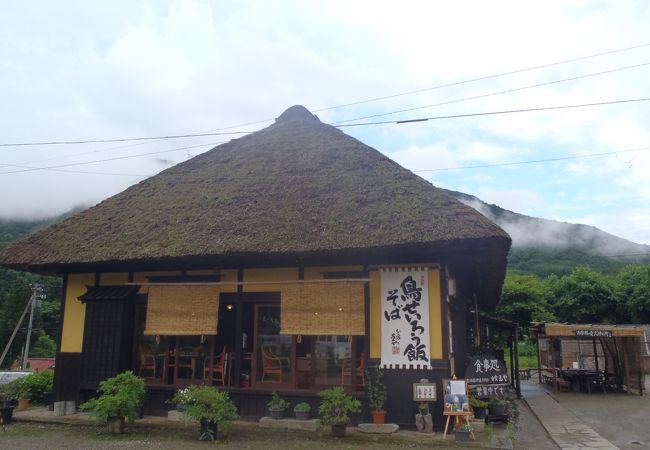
{"type": "Point", "coordinates": [174, 415]}
{"type": "Point", "coordinates": [424, 423]}
{"type": "Point", "coordinates": [290, 424]}
{"type": "Point", "coordinates": [372, 428]}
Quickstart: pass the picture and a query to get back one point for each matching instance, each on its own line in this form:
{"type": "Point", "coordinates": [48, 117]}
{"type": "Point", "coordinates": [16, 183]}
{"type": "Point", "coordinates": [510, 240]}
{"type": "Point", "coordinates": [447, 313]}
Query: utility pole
{"type": "Point", "coordinates": [37, 295]}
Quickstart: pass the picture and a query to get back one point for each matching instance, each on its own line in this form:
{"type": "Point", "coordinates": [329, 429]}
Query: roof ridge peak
{"type": "Point", "coordinates": [297, 113]}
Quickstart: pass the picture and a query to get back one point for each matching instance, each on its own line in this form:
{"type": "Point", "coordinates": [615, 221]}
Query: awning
{"type": "Point", "coordinates": [183, 310]}
{"type": "Point", "coordinates": [107, 293]}
{"type": "Point", "coordinates": [331, 309]}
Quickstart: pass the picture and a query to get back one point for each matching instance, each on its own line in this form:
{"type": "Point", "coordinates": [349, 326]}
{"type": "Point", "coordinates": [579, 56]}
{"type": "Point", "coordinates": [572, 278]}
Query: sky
{"type": "Point", "coordinates": [78, 70]}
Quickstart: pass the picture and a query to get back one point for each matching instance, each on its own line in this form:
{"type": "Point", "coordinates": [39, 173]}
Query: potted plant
{"type": "Point", "coordinates": [301, 411]}
{"type": "Point", "coordinates": [277, 405]}
{"type": "Point", "coordinates": [479, 406]}
{"type": "Point", "coordinates": [34, 388]}
{"type": "Point", "coordinates": [213, 409]}
{"type": "Point", "coordinates": [423, 419]}
{"type": "Point", "coordinates": [377, 394]}
{"type": "Point", "coordinates": [7, 404]}
{"type": "Point", "coordinates": [463, 433]}
{"type": "Point", "coordinates": [119, 398]}
{"type": "Point", "coordinates": [335, 408]}
{"type": "Point", "coordinates": [498, 407]}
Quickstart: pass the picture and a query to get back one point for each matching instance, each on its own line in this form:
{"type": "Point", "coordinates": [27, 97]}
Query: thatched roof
{"type": "Point", "coordinates": [298, 187]}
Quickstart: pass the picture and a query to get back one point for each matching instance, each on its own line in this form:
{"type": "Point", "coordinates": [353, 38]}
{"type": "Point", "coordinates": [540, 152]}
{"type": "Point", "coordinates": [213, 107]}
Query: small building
{"type": "Point", "coordinates": [591, 356]}
{"type": "Point", "coordinates": [290, 259]}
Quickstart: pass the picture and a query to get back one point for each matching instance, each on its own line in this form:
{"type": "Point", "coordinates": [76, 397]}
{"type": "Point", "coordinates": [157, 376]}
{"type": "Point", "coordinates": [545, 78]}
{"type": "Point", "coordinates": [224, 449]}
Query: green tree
{"type": "Point", "coordinates": [585, 296]}
{"type": "Point", "coordinates": [524, 300]}
{"type": "Point", "coordinates": [633, 291]}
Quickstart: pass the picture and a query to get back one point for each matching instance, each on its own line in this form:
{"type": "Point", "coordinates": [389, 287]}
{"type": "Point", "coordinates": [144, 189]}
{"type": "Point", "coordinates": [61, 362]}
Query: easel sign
{"type": "Point", "coordinates": [456, 397]}
{"type": "Point", "coordinates": [456, 404]}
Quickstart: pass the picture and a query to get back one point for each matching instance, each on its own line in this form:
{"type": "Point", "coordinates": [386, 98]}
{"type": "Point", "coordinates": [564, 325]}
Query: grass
{"type": "Point", "coordinates": [56, 436]}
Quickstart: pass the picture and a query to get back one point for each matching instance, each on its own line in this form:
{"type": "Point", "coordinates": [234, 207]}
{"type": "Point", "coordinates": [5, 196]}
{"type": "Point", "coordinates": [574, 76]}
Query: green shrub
{"type": "Point", "coordinates": [376, 389]}
{"type": "Point", "coordinates": [35, 386]}
{"type": "Point", "coordinates": [120, 396]}
{"type": "Point", "coordinates": [336, 406]}
{"type": "Point", "coordinates": [277, 403]}
{"type": "Point", "coordinates": [475, 402]}
{"type": "Point", "coordinates": [207, 403]}
{"type": "Point", "coordinates": [302, 407]}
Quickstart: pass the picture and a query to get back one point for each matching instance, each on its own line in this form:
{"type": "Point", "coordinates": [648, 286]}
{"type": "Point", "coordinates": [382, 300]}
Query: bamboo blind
{"type": "Point", "coordinates": [182, 310]}
{"type": "Point", "coordinates": [330, 309]}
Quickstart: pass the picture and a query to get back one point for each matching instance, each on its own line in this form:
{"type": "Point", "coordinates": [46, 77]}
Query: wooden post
{"type": "Point", "coordinates": [596, 354]}
{"type": "Point", "coordinates": [554, 363]}
{"type": "Point", "coordinates": [518, 381]}
{"type": "Point", "coordinates": [211, 364]}
{"type": "Point", "coordinates": [627, 365]}
{"type": "Point", "coordinates": [539, 360]}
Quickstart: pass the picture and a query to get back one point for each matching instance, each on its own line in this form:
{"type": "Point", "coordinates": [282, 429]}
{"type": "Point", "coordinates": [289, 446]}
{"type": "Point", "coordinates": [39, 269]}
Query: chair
{"type": "Point", "coordinates": [359, 373]}
{"type": "Point", "coordinates": [147, 362]}
{"type": "Point", "coordinates": [219, 367]}
{"type": "Point", "coordinates": [272, 365]}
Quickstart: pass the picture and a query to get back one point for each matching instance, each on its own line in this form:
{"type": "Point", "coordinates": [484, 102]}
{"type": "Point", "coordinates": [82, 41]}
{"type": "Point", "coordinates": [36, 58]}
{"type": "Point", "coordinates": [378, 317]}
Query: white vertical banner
{"type": "Point", "coordinates": [405, 318]}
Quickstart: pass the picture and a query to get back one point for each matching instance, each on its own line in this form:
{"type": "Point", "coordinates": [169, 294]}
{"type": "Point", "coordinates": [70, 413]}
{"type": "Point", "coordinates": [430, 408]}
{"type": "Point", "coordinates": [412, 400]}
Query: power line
{"type": "Point", "coordinates": [98, 141]}
{"type": "Point", "coordinates": [487, 77]}
{"type": "Point", "coordinates": [491, 94]}
{"type": "Point", "coordinates": [490, 113]}
{"type": "Point", "coordinates": [534, 161]}
{"type": "Point", "coordinates": [31, 169]}
{"type": "Point", "coordinates": [218, 131]}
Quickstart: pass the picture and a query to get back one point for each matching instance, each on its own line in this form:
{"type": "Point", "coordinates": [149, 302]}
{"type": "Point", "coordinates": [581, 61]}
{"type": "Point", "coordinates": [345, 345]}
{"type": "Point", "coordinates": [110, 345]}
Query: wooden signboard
{"type": "Point", "coordinates": [424, 392]}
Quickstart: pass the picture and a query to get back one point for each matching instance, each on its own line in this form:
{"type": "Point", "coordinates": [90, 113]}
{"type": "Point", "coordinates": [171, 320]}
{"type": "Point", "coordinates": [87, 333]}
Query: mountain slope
{"type": "Point", "coordinates": [544, 246]}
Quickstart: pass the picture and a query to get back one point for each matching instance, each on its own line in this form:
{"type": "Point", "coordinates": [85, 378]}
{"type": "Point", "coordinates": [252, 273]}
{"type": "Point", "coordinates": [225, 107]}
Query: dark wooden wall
{"type": "Point", "coordinates": [67, 376]}
{"type": "Point", "coordinates": [107, 341]}
{"type": "Point", "coordinates": [400, 407]}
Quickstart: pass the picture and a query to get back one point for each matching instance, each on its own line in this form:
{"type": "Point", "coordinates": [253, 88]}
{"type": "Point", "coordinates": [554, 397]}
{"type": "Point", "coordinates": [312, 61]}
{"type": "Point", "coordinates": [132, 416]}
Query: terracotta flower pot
{"type": "Point", "coordinates": [378, 417]}
{"type": "Point", "coordinates": [23, 404]}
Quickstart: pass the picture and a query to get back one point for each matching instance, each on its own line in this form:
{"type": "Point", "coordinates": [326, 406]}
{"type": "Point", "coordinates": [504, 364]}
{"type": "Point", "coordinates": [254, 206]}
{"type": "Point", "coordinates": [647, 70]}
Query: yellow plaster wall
{"type": "Point", "coordinates": [75, 312]}
{"type": "Point", "coordinates": [256, 275]}
{"type": "Point", "coordinates": [229, 276]}
{"type": "Point", "coordinates": [375, 314]}
{"type": "Point", "coordinates": [111, 278]}
{"type": "Point", "coordinates": [316, 273]}
{"type": "Point", "coordinates": [435, 314]}
{"type": "Point", "coordinates": [141, 277]}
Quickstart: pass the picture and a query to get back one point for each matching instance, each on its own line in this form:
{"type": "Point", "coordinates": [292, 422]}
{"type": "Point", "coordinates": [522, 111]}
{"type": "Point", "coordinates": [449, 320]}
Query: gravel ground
{"type": "Point", "coordinates": [31, 436]}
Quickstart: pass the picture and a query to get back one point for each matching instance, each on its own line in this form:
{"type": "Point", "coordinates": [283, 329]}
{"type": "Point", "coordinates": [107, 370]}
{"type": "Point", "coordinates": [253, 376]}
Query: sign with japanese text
{"type": "Point", "coordinates": [594, 333]}
{"type": "Point", "coordinates": [405, 318]}
{"type": "Point", "coordinates": [490, 391]}
{"type": "Point", "coordinates": [424, 392]}
{"type": "Point", "coordinates": [486, 369]}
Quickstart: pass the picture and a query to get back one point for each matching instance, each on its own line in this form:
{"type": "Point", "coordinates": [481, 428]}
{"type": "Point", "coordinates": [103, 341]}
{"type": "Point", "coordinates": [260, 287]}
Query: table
{"type": "Point", "coordinates": [581, 379]}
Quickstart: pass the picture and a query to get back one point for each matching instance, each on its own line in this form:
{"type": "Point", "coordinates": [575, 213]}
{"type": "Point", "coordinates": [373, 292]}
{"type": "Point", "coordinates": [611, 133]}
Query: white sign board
{"type": "Point", "coordinates": [405, 318]}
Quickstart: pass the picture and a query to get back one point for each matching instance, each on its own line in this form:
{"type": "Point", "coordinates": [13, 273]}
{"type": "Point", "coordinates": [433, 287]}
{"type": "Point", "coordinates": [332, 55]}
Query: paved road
{"type": "Point", "coordinates": [622, 419]}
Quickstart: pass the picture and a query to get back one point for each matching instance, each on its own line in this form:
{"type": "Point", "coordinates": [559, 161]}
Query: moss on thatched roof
{"type": "Point", "coordinates": [298, 186]}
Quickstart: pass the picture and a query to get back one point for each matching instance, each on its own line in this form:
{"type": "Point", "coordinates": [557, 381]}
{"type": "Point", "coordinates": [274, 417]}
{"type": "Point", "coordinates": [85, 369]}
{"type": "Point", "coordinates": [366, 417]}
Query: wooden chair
{"type": "Point", "coordinates": [359, 373]}
{"type": "Point", "coordinates": [147, 362]}
{"type": "Point", "coordinates": [219, 367]}
{"type": "Point", "coordinates": [272, 365]}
